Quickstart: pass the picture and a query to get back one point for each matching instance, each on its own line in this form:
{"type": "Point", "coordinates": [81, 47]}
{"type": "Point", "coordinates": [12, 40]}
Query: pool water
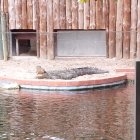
{"type": "Point", "coordinates": [83, 115]}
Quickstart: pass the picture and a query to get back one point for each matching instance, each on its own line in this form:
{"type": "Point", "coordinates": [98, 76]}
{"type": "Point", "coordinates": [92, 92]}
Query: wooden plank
{"type": "Point", "coordinates": [56, 13]}
{"type": "Point", "coordinates": [30, 14]}
{"type": "Point", "coordinates": [126, 28]}
{"type": "Point", "coordinates": [1, 44]}
{"type": "Point", "coordinates": [2, 5]}
{"type": "Point", "coordinates": [92, 14]}
{"type": "Point", "coordinates": [119, 27]}
{"type": "Point", "coordinates": [38, 29]}
{"type": "Point", "coordinates": [12, 18]}
{"type": "Point", "coordinates": [138, 31]}
{"type": "Point", "coordinates": [24, 14]}
{"type": "Point", "coordinates": [34, 14]}
{"type": "Point", "coordinates": [68, 14]}
{"type": "Point", "coordinates": [81, 15]}
{"type": "Point", "coordinates": [5, 6]}
{"type": "Point", "coordinates": [18, 11]}
{"type": "Point", "coordinates": [4, 40]}
{"type": "Point", "coordinates": [104, 14]}
{"type": "Point", "coordinates": [107, 27]}
{"type": "Point", "coordinates": [62, 14]}
{"type": "Point", "coordinates": [50, 39]}
{"type": "Point", "coordinates": [112, 28]}
{"type": "Point", "coordinates": [86, 15]}
{"type": "Point", "coordinates": [43, 28]}
{"type": "Point", "coordinates": [99, 15]}
{"type": "Point", "coordinates": [133, 35]}
{"type": "Point", "coordinates": [74, 14]}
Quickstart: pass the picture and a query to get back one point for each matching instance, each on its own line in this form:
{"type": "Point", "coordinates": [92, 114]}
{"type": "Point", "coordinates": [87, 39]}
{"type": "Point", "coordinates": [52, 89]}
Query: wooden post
{"type": "Point", "coordinates": [74, 14]}
{"type": "Point", "coordinates": [5, 6]}
{"type": "Point", "coordinates": [99, 14]}
{"type": "Point", "coordinates": [68, 14]}
{"type": "Point", "coordinates": [17, 47]}
{"type": "Point", "coordinates": [50, 39]}
{"type": "Point", "coordinates": [62, 14]}
{"type": "Point", "coordinates": [138, 31]}
{"type": "Point", "coordinates": [126, 28]}
{"type": "Point", "coordinates": [107, 27]}
{"type": "Point", "coordinates": [56, 13]}
{"type": "Point", "coordinates": [43, 28]}
{"type": "Point", "coordinates": [8, 33]}
{"type": "Point", "coordinates": [133, 35]}
{"type": "Point", "coordinates": [112, 28]}
{"type": "Point", "coordinates": [119, 32]}
{"type": "Point", "coordinates": [81, 16]}
{"type": "Point", "coordinates": [34, 14]}
{"type": "Point", "coordinates": [1, 45]}
{"type": "Point", "coordinates": [5, 48]}
{"type": "Point", "coordinates": [24, 14]}
{"type": "Point", "coordinates": [18, 13]}
{"type": "Point", "coordinates": [104, 14]}
{"type": "Point", "coordinates": [12, 17]}
{"type": "Point", "coordinates": [86, 15]}
{"type": "Point", "coordinates": [92, 14]}
{"type": "Point", "coordinates": [37, 29]}
{"type": "Point", "coordinates": [29, 14]}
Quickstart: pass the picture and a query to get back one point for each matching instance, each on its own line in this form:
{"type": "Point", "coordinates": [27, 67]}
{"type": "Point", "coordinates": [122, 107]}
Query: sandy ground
{"type": "Point", "coordinates": [24, 67]}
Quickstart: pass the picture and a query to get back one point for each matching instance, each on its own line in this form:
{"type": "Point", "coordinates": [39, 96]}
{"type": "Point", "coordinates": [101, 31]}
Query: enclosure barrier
{"type": "Point", "coordinates": [120, 19]}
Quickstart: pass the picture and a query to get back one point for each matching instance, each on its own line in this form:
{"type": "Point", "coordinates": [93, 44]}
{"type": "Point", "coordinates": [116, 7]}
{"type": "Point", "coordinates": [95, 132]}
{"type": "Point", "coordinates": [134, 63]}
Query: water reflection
{"type": "Point", "coordinates": [97, 115]}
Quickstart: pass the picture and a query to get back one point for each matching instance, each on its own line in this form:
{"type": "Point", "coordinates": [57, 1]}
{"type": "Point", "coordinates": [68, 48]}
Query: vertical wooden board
{"type": "Point", "coordinates": [74, 14]}
{"type": "Point", "coordinates": [30, 14]}
{"type": "Point", "coordinates": [12, 18]}
{"type": "Point", "coordinates": [138, 31]}
{"type": "Point", "coordinates": [43, 28]}
{"type": "Point", "coordinates": [37, 28]}
{"type": "Point", "coordinates": [68, 14]}
{"type": "Point", "coordinates": [5, 6]}
{"type": "Point", "coordinates": [56, 13]}
{"type": "Point", "coordinates": [133, 36]}
{"type": "Point", "coordinates": [92, 14]}
{"type": "Point", "coordinates": [81, 15]}
{"type": "Point", "coordinates": [126, 28]}
{"type": "Point", "coordinates": [119, 25]}
{"type": "Point", "coordinates": [2, 5]}
{"type": "Point", "coordinates": [1, 43]}
{"type": "Point", "coordinates": [4, 38]}
{"type": "Point", "coordinates": [99, 14]}
{"type": "Point", "coordinates": [86, 15]}
{"type": "Point", "coordinates": [24, 14]}
{"type": "Point", "coordinates": [50, 40]}
{"type": "Point", "coordinates": [34, 14]}
{"type": "Point", "coordinates": [107, 27]}
{"type": "Point", "coordinates": [112, 28]}
{"type": "Point", "coordinates": [104, 14]}
{"type": "Point", "coordinates": [62, 14]}
{"type": "Point", "coordinates": [18, 11]}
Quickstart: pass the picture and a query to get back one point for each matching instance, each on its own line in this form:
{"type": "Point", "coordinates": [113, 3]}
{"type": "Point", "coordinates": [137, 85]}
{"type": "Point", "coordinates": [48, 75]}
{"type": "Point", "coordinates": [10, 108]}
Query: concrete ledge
{"type": "Point", "coordinates": [43, 84]}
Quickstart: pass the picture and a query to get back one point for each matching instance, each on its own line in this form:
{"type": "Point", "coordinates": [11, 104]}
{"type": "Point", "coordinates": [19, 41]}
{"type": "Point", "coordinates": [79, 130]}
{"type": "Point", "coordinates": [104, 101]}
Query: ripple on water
{"type": "Point", "coordinates": [97, 115]}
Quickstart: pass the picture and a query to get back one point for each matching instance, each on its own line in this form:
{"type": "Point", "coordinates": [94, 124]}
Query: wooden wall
{"type": "Point", "coordinates": [118, 17]}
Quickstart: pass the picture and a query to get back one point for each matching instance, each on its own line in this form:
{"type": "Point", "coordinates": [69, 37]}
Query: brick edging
{"type": "Point", "coordinates": [130, 72]}
{"type": "Point", "coordinates": [67, 84]}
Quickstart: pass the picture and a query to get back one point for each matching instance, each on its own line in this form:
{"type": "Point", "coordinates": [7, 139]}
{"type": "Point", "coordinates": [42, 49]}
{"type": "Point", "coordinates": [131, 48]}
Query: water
{"type": "Point", "coordinates": [97, 115]}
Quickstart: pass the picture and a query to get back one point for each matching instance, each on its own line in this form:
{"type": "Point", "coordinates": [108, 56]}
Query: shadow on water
{"type": "Point", "coordinates": [97, 115]}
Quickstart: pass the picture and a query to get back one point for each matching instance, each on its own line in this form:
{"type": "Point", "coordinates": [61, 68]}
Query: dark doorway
{"type": "Point", "coordinates": [23, 43]}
